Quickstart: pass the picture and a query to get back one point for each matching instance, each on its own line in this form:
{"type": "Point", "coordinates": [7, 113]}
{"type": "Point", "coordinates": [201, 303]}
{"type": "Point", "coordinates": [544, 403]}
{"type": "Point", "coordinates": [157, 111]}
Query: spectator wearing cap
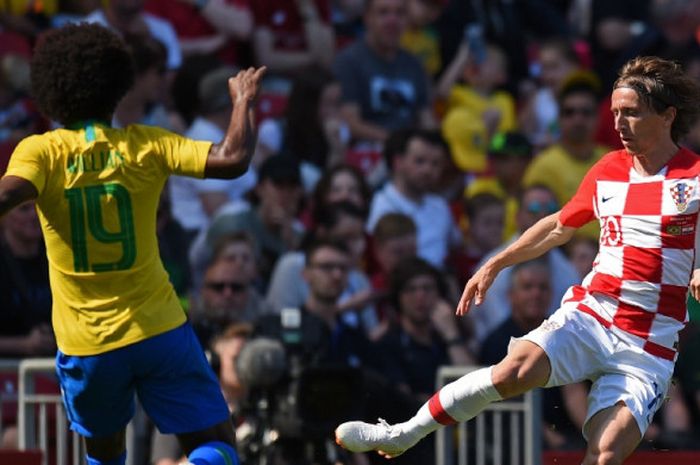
{"type": "Point", "coordinates": [534, 203]}
{"type": "Point", "coordinates": [509, 155]}
{"type": "Point", "coordinates": [563, 165]}
{"type": "Point", "coordinates": [195, 201]}
{"type": "Point", "coordinates": [271, 219]}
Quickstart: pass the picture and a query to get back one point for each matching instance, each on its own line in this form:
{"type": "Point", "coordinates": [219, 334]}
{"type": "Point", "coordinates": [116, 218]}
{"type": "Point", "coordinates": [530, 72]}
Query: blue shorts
{"type": "Point", "coordinates": [169, 373]}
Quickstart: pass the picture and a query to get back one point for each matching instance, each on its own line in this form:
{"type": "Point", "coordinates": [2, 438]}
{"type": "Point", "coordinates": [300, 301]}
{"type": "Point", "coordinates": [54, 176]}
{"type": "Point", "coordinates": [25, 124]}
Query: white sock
{"type": "Point", "coordinates": [460, 400]}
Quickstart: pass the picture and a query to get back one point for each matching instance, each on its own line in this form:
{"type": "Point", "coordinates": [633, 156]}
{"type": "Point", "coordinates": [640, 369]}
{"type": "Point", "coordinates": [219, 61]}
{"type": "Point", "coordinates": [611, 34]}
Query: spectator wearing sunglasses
{"type": "Point", "coordinates": [228, 293]}
{"type": "Point", "coordinates": [535, 203]}
{"type": "Point", "coordinates": [562, 166]}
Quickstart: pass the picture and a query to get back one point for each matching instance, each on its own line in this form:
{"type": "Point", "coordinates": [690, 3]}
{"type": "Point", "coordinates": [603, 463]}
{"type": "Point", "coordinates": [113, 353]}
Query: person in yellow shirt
{"type": "Point", "coordinates": [119, 325]}
{"type": "Point", "coordinates": [562, 166]}
{"type": "Point", "coordinates": [476, 108]}
{"type": "Point", "coordinates": [420, 38]}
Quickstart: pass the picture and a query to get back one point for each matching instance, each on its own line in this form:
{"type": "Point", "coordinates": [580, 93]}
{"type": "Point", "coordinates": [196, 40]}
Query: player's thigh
{"type": "Point", "coordinates": [97, 392]}
{"type": "Point", "coordinates": [525, 367]}
{"type": "Point", "coordinates": [177, 387]}
{"type": "Point", "coordinates": [613, 434]}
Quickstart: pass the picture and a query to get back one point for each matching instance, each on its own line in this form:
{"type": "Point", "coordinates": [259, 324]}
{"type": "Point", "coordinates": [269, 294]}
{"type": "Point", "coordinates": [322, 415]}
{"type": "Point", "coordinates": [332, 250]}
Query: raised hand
{"type": "Point", "coordinates": [245, 86]}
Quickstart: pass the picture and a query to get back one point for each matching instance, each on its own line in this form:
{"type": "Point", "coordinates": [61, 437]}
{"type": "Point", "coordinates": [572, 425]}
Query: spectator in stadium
{"type": "Point", "coordinates": [421, 37]}
{"type": "Point", "coordinates": [145, 101]}
{"type": "Point", "coordinates": [289, 36]}
{"type": "Point", "coordinates": [207, 27]}
{"type": "Point", "coordinates": [477, 107]}
{"type": "Point", "coordinates": [537, 118]}
{"type": "Point", "coordinates": [228, 294]}
{"type": "Point", "coordinates": [341, 222]}
{"type": "Point", "coordinates": [172, 241]}
{"type": "Point", "coordinates": [582, 252]}
{"type": "Point", "coordinates": [529, 294]}
{"type": "Point", "coordinates": [485, 214]}
{"type": "Point", "coordinates": [562, 165]}
{"type": "Point", "coordinates": [416, 160]}
{"type": "Point", "coordinates": [195, 201]}
{"type": "Point", "coordinates": [384, 87]}
{"type": "Point", "coordinates": [311, 129]}
{"type": "Point", "coordinates": [129, 17]}
{"type": "Point", "coordinates": [393, 240]}
{"type": "Point", "coordinates": [509, 155]}
{"type": "Point", "coordinates": [314, 332]}
{"type": "Point", "coordinates": [271, 220]}
{"type": "Point", "coordinates": [536, 203]}
{"type": "Point", "coordinates": [628, 314]}
{"type": "Point", "coordinates": [425, 337]}
{"type": "Point", "coordinates": [118, 323]}
{"type": "Point", "coordinates": [25, 317]}
{"type": "Point", "coordinates": [341, 183]}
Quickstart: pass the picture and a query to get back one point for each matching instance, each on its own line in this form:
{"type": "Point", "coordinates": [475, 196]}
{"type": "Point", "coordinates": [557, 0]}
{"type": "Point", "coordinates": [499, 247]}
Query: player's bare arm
{"type": "Point", "coordinates": [14, 191]}
{"type": "Point", "coordinates": [230, 158]}
{"type": "Point", "coordinates": [542, 236]}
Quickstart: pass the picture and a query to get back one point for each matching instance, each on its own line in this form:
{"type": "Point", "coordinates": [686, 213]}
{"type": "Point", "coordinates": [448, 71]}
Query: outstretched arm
{"type": "Point", "coordinates": [542, 236]}
{"type": "Point", "coordinates": [14, 191]}
{"type": "Point", "coordinates": [230, 158]}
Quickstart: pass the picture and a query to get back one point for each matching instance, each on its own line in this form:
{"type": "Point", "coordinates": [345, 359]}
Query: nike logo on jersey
{"type": "Point", "coordinates": [605, 199]}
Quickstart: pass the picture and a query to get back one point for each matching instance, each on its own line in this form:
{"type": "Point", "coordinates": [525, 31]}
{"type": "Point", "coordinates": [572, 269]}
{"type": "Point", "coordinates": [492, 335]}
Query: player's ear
{"type": "Point", "coordinates": [669, 115]}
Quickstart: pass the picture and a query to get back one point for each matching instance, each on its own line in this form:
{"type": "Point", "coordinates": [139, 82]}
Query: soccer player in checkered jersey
{"type": "Point", "coordinates": [619, 328]}
{"type": "Point", "coordinates": [119, 325]}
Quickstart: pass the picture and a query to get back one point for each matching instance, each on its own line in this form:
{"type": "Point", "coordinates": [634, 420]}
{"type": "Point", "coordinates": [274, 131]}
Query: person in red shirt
{"type": "Point", "coordinates": [292, 34]}
{"type": "Point", "coordinates": [215, 27]}
{"type": "Point", "coordinates": [619, 328]}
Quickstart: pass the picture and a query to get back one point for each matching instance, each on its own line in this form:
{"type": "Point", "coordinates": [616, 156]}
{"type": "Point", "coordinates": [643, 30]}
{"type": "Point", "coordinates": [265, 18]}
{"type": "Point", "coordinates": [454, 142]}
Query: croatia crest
{"type": "Point", "coordinates": [681, 193]}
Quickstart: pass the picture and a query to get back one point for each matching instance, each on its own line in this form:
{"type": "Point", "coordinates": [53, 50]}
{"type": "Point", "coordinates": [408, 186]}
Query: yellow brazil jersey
{"type": "Point", "coordinates": [99, 189]}
{"type": "Point", "coordinates": [463, 127]}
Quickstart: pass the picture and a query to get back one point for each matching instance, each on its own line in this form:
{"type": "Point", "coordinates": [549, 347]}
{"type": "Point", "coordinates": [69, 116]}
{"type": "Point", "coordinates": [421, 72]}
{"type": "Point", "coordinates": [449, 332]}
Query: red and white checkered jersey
{"type": "Point", "coordinates": [639, 282]}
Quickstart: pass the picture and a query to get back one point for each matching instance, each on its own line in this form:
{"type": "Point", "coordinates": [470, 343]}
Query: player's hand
{"type": "Point", "coordinates": [245, 86]}
{"type": "Point", "coordinates": [476, 288]}
{"type": "Point", "coordinates": [694, 287]}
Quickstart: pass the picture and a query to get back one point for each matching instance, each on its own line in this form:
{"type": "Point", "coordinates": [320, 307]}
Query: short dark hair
{"type": "Point", "coordinates": [406, 270]}
{"type": "Point", "coordinates": [479, 202]}
{"type": "Point", "coordinates": [80, 72]}
{"type": "Point", "coordinates": [661, 84]}
{"type": "Point", "coordinates": [392, 225]}
{"type": "Point", "coordinates": [398, 141]}
{"type": "Point", "coordinates": [311, 248]}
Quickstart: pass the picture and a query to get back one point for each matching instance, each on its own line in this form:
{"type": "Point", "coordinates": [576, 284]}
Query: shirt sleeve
{"type": "Point", "coordinates": [581, 208]}
{"type": "Point", "coordinates": [29, 161]}
{"type": "Point", "coordinates": [181, 155]}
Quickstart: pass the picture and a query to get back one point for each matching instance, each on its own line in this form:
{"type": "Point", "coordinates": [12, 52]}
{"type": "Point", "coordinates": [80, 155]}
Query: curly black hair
{"type": "Point", "coordinates": [80, 72]}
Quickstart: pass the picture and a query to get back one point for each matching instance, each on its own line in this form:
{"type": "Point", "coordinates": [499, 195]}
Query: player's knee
{"type": "Point", "coordinates": [214, 453]}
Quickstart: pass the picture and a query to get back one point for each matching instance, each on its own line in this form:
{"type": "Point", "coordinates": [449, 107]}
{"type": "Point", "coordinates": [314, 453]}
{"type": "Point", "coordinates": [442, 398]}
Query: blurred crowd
{"type": "Point", "coordinates": [400, 144]}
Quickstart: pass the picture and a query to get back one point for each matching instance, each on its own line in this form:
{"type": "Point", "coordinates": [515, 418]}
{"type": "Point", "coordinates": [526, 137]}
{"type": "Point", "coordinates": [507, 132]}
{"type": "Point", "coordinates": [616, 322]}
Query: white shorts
{"type": "Point", "coordinates": [580, 348]}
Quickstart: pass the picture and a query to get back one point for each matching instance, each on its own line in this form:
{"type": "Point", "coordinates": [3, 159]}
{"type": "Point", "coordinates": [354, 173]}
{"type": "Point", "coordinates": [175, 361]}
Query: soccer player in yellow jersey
{"type": "Point", "coordinates": [119, 326]}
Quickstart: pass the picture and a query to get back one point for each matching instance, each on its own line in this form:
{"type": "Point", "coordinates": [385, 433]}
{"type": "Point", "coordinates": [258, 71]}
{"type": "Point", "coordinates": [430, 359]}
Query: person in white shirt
{"type": "Point", "coordinates": [416, 158]}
